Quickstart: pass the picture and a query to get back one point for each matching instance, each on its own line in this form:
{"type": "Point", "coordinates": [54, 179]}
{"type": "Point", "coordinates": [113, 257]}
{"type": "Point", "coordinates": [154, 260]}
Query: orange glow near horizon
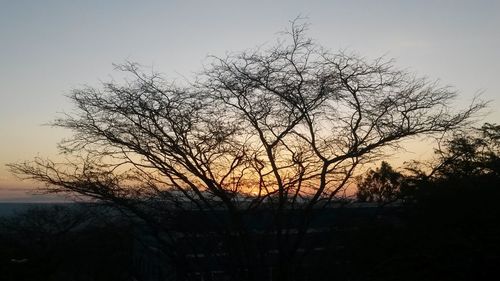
{"type": "Point", "coordinates": [11, 187]}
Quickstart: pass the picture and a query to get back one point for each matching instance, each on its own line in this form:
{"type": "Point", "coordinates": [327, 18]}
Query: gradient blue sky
{"type": "Point", "coordinates": [48, 48]}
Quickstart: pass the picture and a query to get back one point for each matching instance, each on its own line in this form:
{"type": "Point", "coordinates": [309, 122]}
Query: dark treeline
{"type": "Point", "coordinates": [441, 228]}
{"type": "Point", "coordinates": [64, 242]}
{"type": "Point", "coordinates": [434, 222]}
{"type": "Point", "coordinates": [450, 214]}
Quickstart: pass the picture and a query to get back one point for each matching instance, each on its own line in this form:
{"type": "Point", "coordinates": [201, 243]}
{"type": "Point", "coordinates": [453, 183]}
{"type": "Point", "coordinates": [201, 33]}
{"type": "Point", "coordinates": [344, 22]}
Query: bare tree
{"type": "Point", "coordinates": [280, 129]}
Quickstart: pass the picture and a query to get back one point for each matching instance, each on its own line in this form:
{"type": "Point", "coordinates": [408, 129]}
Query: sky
{"type": "Point", "coordinates": [48, 48]}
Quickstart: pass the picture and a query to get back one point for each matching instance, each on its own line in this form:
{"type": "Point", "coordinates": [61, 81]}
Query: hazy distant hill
{"type": "Point", "coordinates": [10, 208]}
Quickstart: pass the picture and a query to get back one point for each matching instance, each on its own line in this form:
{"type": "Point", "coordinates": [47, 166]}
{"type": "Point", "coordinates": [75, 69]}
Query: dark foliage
{"type": "Point", "coordinates": [64, 243]}
{"type": "Point", "coordinates": [383, 185]}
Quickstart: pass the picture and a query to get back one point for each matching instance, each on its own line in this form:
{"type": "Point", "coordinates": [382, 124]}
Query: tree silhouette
{"type": "Point", "coordinates": [471, 154]}
{"type": "Point", "coordinates": [276, 129]}
{"type": "Point", "coordinates": [454, 206]}
{"type": "Point", "coordinates": [383, 185]}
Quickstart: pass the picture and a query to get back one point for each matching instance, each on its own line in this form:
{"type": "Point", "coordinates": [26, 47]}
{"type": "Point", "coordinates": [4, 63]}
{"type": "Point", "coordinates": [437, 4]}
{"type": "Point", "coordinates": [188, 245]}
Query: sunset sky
{"type": "Point", "coordinates": [48, 48]}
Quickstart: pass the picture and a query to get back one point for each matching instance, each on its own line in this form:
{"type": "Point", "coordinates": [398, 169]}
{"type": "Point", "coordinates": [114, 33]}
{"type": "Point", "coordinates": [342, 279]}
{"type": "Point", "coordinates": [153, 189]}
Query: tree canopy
{"type": "Point", "coordinates": [293, 120]}
{"type": "Point", "coordinates": [472, 153]}
{"type": "Point", "coordinates": [382, 185]}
